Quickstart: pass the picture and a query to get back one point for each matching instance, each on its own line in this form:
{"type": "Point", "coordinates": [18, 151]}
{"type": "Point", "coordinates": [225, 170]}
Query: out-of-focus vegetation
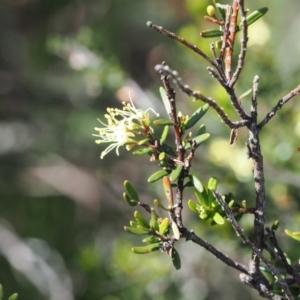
{"type": "Point", "coordinates": [61, 210]}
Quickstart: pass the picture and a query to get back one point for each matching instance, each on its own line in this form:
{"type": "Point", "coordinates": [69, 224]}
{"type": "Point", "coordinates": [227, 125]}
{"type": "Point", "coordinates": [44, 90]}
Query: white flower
{"type": "Point", "coordinates": [122, 126]}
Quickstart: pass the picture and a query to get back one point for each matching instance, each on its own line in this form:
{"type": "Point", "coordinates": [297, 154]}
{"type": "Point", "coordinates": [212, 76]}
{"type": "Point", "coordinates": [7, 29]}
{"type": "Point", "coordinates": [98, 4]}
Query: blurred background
{"type": "Point", "coordinates": [61, 209]}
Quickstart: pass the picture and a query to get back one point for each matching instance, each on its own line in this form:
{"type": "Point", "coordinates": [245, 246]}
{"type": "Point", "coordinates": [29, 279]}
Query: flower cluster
{"type": "Point", "coordinates": [122, 127]}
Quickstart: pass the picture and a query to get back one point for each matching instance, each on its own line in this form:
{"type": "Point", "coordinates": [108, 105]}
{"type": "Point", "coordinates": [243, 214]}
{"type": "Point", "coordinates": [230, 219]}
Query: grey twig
{"type": "Point", "coordinates": [197, 95]}
{"type": "Point", "coordinates": [191, 236]}
{"type": "Point", "coordinates": [280, 253]}
{"type": "Point", "coordinates": [257, 276]}
{"type": "Point", "coordinates": [280, 103]}
{"type": "Point", "coordinates": [181, 40]}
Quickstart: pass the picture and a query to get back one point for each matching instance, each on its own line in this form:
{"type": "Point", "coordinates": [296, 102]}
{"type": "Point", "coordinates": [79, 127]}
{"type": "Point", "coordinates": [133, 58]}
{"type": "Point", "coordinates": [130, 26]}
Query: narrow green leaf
{"type": "Point", "coordinates": [293, 235]}
{"type": "Point", "coordinates": [164, 135]}
{"type": "Point", "coordinates": [231, 203]}
{"type": "Point", "coordinates": [211, 198]}
{"type": "Point", "coordinates": [165, 100]}
{"type": "Point", "coordinates": [253, 17]}
{"type": "Point", "coordinates": [198, 139]}
{"type": "Point", "coordinates": [133, 224]}
{"type": "Point", "coordinates": [142, 142]}
{"type": "Point", "coordinates": [176, 173]}
{"type": "Point", "coordinates": [201, 130]}
{"type": "Point", "coordinates": [153, 221]}
{"type": "Point", "coordinates": [221, 10]}
{"type": "Point", "coordinates": [196, 116]}
{"type": "Point", "coordinates": [168, 149]}
{"type": "Point", "coordinates": [211, 33]}
{"type": "Point", "coordinates": [163, 122]}
{"type": "Point", "coordinates": [212, 184]}
{"type": "Point", "coordinates": [192, 205]}
{"type": "Point", "coordinates": [218, 219]}
{"type": "Point", "coordinates": [143, 151]}
{"type": "Point", "coordinates": [1, 291]}
{"type": "Point", "coordinates": [128, 200]}
{"type": "Point", "coordinates": [158, 175]}
{"type": "Point", "coordinates": [151, 240]}
{"type": "Point", "coordinates": [158, 204]}
{"type": "Point", "coordinates": [245, 94]}
{"type": "Point", "coordinates": [13, 297]}
{"type": "Point", "coordinates": [202, 198]}
{"type": "Point", "coordinates": [275, 225]}
{"type": "Point", "coordinates": [164, 226]}
{"type": "Point", "coordinates": [147, 249]}
{"type": "Point", "coordinates": [141, 220]}
{"type": "Point", "coordinates": [131, 191]}
{"type": "Point", "coordinates": [176, 259]}
{"type": "Point", "coordinates": [136, 231]}
{"type": "Point", "coordinates": [162, 155]}
{"type": "Point", "coordinates": [196, 183]}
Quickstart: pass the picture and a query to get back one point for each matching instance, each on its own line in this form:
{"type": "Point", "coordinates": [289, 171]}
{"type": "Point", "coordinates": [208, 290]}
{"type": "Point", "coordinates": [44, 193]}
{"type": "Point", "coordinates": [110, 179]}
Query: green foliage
{"type": "Point", "coordinates": [63, 63]}
{"type": "Point", "coordinates": [12, 297]}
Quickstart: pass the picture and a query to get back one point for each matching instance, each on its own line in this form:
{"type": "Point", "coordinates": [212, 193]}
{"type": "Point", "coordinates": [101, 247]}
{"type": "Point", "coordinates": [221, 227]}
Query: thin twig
{"type": "Point", "coordinates": [280, 253]}
{"type": "Point", "coordinates": [243, 50]}
{"type": "Point", "coordinates": [197, 95]}
{"type": "Point", "coordinates": [181, 40]}
{"type": "Point", "coordinates": [280, 103]}
{"type": "Point", "coordinates": [176, 210]}
{"type": "Point", "coordinates": [258, 252]}
{"type": "Point", "coordinates": [214, 74]}
{"type": "Point", "coordinates": [236, 103]}
{"type": "Point", "coordinates": [191, 236]}
{"type": "Point", "coordinates": [262, 289]}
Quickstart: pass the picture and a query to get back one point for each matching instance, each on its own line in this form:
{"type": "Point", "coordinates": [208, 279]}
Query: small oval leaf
{"type": "Point", "coordinates": [129, 201]}
{"type": "Point", "coordinates": [212, 184]}
{"type": "Point", "coordinates": [165, 100]}
{"type": "Point", "coordinates": [202, 198]}
{"type": "Point", "coordinates": [163, 122]}
{"type": "Point", "coordinates": [293, 235]}
{"type": "Point", "coordinates": [158, 204]}
{"type": "Point", "coordinates": [218, 219]}
{"type": "Point", "coordinates": [168, 149]}
{"type": "Point", "coordinates": [198, 139]}
{"type": "Point", "coordinates": [147, 249]}
{"type": "Point", "coordinates": [196, 183]}
{"type": "Point", "coordinates": [143, 151]}
{"type": "Point", "coordinates": [136, 231]}
{"type": "Point", "coordinates": [196, 116]}
{"type": "Point", "coordinates": [201, 130]}
{"type": "Point", "coordinates": [153, 221]}
{"type": "Point", "coordinates": [164, 135]}
{"type": "Point", "coordinates": [140, 219]}
{"type": "Point", "coordinates": [176, 173]}
{"type": "Point", "coordinates": [211, 33]}
{"type": "Point", "coordinates": [253, 17]}
{"type": "Point", "coordinates": [192, 205]}
{"type": "Point", "coordinates": [158, 175]}
{"type": "Point", "coordinates": [164, 226]}
{"type": "Point", "coordinates": [131, 191]}
{"type": "Point", "coordinates": [13, 297]}
{"type": "Point", "coordinates": [175, 259]}
{"type": "Point", "coordinates": [150, 240]}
